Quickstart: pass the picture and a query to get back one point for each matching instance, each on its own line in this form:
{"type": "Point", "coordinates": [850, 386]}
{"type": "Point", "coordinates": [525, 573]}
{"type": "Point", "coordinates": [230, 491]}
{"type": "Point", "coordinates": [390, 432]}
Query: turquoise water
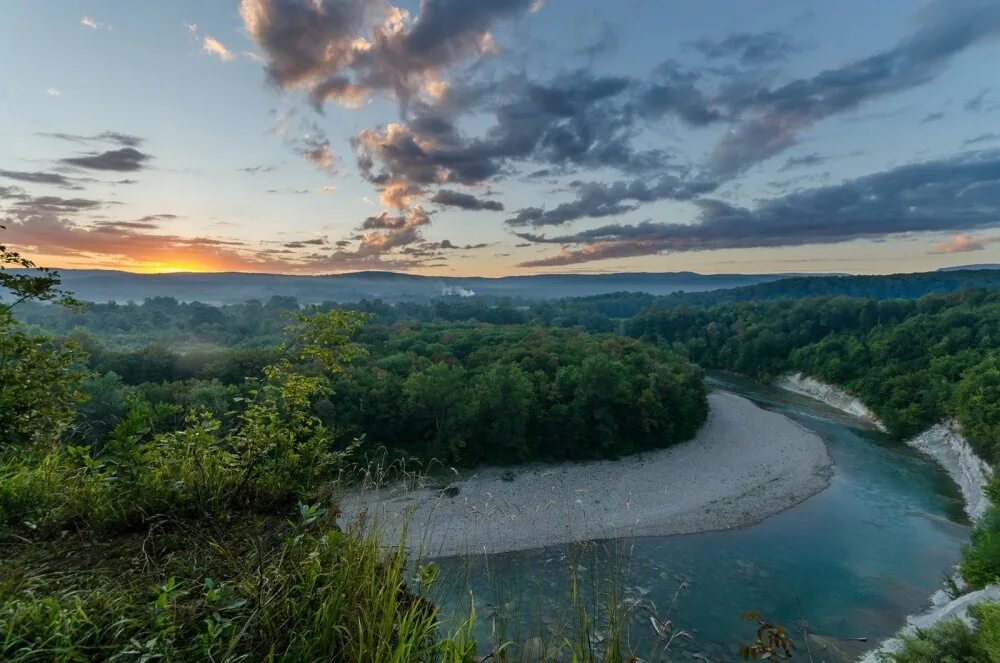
{"type": "Point", "coordinates": [848, 564]}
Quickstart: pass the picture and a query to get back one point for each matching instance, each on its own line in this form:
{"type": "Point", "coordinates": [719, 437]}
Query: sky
{"type": "Point", "coordinates": [494, 137]}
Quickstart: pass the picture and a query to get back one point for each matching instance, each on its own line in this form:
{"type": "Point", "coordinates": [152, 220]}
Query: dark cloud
{"type": "Point", "coordinates": [342, 50]}
{"type": "Point", "coordinates": [805, 161]}
{"type": "Point", "coordinates": [606, 41]}
{"type": "Point", "coordinates": [33, 205]}
{"type": "Point", "coordinates": [255, 170]}
{"type": "Point", "coordinates": [55, 179]}
{"type": "Point", "coordinates": [932, 117]}
{"type": "Point", "coordinates": [150, 218]}
{"type": "Point", "coordinates": [980, 102]}
{"type": "Point", "coordinates": [123, 139]}
{"type": "Point", "coordinates": [750, 48]}
{"type": "Point", "coordinates": [674, 90]}
{"type": "Point", "coordinates": [301, 244]}
{"type": "Point", "coordinates": [124, 226]}
{"type": "Point", "coordinates": [578, 119]}
{"type": "Point", "coordinates": [597, 199]}
{"type": "Point", "coordinates": [314, 147]}
{"type": "Point", "coordinates": [384, 232]}
{"type": "Point", "coordinates": [773, 117]}
{"type": "Point", "coordinates": [12, 193]}
{"type": "Point", "coordinates": [448, 245]}
{"type": "Point", "coordinates": [465, 201]}
{"type": "Point", "coordinates": [126, 159]}
{"type": "Point", "coordinates": [982, 138]}
{"type": "Point", "coordinates": [956, 194]}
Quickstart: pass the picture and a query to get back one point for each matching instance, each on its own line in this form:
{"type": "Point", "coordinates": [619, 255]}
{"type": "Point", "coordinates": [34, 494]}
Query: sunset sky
{"type": "Point", "coordinates": [489, 137]}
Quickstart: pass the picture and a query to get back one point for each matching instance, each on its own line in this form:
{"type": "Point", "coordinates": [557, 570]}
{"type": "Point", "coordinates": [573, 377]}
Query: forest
{"type": "Point", "coordinates": [184, 434]}
{"type": "Point", "coordinates": [913, 362]}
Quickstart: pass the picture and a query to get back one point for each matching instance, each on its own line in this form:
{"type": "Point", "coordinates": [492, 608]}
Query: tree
{"type": "Point", "coordinates": [504, 398]}
{"type": "Point", "coordinates": [439, 396]}
{"type": "Point", "coordinates": [38, 386]}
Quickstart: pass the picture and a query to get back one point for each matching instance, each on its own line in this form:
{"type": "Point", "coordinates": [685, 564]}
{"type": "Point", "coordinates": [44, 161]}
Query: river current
{"type": "Point", "coordinates": [846, 566]}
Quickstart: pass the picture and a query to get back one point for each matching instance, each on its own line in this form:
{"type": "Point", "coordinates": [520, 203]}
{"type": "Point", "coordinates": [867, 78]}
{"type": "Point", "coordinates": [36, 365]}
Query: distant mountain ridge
{"type": "Point", "coordinates": [393, 287]}
{"type": "Point", "coordinates": [971, 268]}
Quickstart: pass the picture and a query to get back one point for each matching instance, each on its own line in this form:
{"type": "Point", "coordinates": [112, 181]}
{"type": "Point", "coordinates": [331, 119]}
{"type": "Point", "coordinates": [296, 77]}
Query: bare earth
{"type": "Point", "coordinates": [745, 464]}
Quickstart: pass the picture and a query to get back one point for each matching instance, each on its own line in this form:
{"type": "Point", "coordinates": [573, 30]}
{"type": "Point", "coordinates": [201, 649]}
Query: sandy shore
{"type": "Point", "coordinates": [745, 464]}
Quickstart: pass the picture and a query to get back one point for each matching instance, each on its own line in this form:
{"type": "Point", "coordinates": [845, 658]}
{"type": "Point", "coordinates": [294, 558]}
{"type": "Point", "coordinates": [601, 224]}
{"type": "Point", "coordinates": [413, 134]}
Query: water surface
{"type": "Point", "coordinates": [849, 563]}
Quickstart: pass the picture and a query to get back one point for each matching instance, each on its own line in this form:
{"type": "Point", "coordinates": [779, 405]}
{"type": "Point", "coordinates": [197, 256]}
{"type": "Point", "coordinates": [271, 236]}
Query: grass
{"type": "Point", "coordinates": [252, 589]}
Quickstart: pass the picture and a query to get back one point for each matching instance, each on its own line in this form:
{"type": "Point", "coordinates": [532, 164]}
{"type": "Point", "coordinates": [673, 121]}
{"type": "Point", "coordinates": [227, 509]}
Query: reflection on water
{"type": "Point", "coordinates": [850, 562]}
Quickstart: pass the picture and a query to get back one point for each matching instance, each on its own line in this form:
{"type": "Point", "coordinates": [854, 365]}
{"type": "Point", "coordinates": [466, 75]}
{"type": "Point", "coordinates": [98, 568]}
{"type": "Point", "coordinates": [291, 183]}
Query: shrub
{"type": "Point", "coordinates": [949, 641]}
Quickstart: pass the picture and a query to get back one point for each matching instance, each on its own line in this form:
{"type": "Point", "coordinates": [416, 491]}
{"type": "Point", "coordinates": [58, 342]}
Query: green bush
{"type": "Point", "coordinates": [980, 564]}
{"type": "Point", "coordinates": [949, 641]}
{"type": "Point", "coordinates": [987, 617]}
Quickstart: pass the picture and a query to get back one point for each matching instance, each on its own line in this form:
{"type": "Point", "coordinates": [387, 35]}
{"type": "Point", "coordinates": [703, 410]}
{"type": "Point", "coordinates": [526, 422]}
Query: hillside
{"type": "Point", "coordinates": [102, 286]}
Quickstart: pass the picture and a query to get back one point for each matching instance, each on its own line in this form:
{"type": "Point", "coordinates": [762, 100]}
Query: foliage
{"type": "Point", "coordinates": [275, 451]}
{"type": "Point", "coordinates": [30, 282]}
{"type": "Point", "coordinates": [460, 393]}
{"type": "Point", "coordinates": [981, 556]}
{"type": "Point", "coordinates": [948, 641]}
{"type": "Point", "coordinates": [771, 641]}
{"type": "Point", "coordinates": [472, 394]}
{"type": "Point", "coordinates": [913, 362]}
{"type": "Point", "coordinates": [38, 387]}
{"type": "Point", "coordinates": [251, 590]}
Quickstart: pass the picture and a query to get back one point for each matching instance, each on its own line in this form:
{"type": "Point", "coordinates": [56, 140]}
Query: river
{"type": "Point", "coordinates": [848, 564]}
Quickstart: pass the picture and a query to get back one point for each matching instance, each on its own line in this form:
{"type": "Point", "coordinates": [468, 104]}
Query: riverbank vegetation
{"type": "Point", "coordinates": [166, 465]}
{"type": "Point", "coordinates": [196, 519]}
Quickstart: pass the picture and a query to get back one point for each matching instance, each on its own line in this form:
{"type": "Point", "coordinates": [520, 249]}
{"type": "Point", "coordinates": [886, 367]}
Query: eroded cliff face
{"type": "Point", "coordinates": [945, 443]}
{"type": "Point", "coordinates": [829, 394]}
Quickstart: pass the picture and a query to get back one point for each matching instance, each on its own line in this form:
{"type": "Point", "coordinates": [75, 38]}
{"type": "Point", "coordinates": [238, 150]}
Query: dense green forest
{"type": "Point", "coordinates": [171, 504]}
{"type": "Point", "coordinates": [913, 362]}
{"type": "Point", "coordinates": [164, 444]}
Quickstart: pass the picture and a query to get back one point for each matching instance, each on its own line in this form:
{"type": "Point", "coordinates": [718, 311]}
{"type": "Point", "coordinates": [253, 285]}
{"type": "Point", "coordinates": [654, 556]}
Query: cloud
{"type": "Point", "coordinates": [961, 193]}
{"type": "Point", "coordinates": [982, 138]}
{"type": "Point", "coordinates": [133, 244]}
{"type": "Point", "coordinates": [301, 244]}
{"type": "Point", "coordinates": [674, 90]}
{"type": "Point", "coordinates": [126, 159]}
{"type": "Point", "coordinates": [123, 139]}
{"type": "Point", "coordinates": [932, 117]}
{"type": "Point", "coordinates": [804, 161]}
{"type": "Point", "coordinates": [607, 41]}
{"type": "Point", "coordinates": [772, 118]}
{"type": "Point", "coordinates": [384, 232]}
{"type": "Point", "coordinates": [55, 179]}
{"type": "Point", "coordinates": [979, 102]}
{"type": "Point", "coordinates": [53, 92]}
{"type": "Point", "coordinates": [212, 46]}
{"type": "Point", "coordinates": [597, 199]}
{"type": "Point", "coordinates": [33, 205]}
{"type": "Point", "coordinates": [749, 48]}
{"type": "Point", "coordinates": [963, 244]}
{"type": "Point", "coordinates": [344, 50]}
{"type": "Point", "coordinates": [12, 193]}
{"type": "Point", "coordinates": [255, 170]}
{"type": "Point", "coordinates": [88, 22]}
{"type": "Point", "coordinates": [315, 148]}
{"type": "Point", "coordinates": [465, 201]}
{"type": "Point", "coordinates": [577, 119]}
{"type": "Point", "coordinates": [123, 226]}
{"type": "Point", "coordinates": [122, 243]}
